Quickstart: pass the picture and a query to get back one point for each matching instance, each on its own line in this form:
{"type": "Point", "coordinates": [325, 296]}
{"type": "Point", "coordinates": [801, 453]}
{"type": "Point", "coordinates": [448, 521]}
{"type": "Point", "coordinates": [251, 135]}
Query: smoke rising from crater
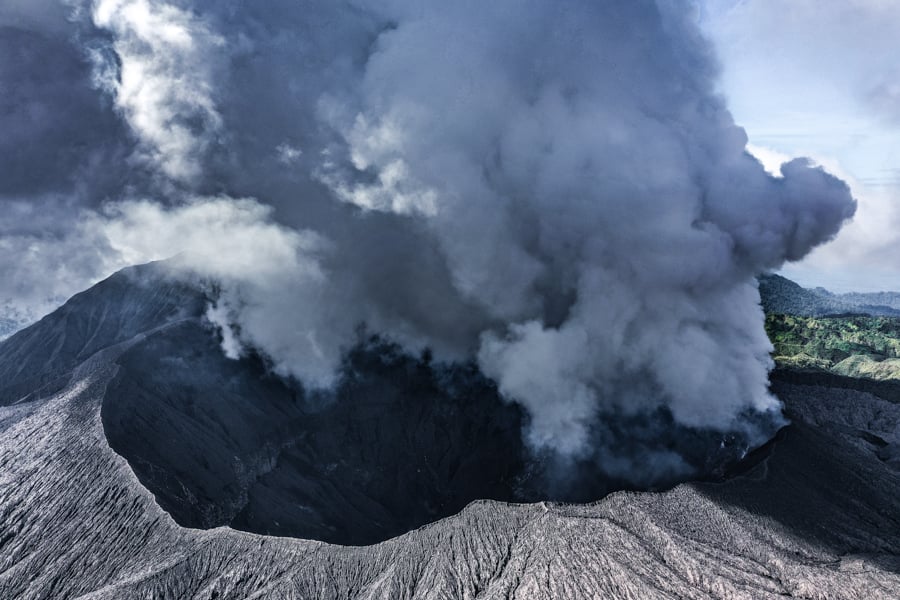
{"type": "Point", "coordinates": [551, 189]}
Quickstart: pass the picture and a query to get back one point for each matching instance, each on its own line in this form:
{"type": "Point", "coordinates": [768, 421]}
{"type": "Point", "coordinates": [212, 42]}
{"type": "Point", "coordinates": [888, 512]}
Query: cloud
{"type": "Point", "coordinates": [168, 60]}
{"type": "Point", "coordinates": [552, 190]}
{"type": "Point", "coordinates": [57, 135]}
{"type": "Point", "coordinates": [830, 95]}
{"type": "Point", "coordinates": [837, 52]}
{"type": "Point", "coordinates": [230, 240]}
{"type": "Point", "coordinates": [593, 197]}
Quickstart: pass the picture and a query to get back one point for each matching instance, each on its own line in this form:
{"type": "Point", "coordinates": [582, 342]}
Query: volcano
{"type": "Point", "coordinates": [138, 461]}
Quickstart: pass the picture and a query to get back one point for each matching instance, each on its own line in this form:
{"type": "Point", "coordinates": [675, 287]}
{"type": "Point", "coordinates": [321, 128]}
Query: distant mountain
{"type": "Point", "coordinates": [874, 299]}
{"type": "Point", "coordinates": [782, 296]}
{"type": "Point", "coordinates": [852, 335]}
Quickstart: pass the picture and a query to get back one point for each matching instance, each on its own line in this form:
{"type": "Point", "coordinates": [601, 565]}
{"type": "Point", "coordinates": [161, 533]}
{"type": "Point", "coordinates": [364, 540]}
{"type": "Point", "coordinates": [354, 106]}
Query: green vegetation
{"type": "Point", "coordinates": [853, 346]}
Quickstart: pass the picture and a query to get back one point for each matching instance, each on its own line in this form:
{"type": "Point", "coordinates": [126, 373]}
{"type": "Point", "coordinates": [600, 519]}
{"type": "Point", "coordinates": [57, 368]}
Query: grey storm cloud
{"type": "Point", "coordinates": [58, 133]}
{"type": "Point", "coordinates": [551, 189]}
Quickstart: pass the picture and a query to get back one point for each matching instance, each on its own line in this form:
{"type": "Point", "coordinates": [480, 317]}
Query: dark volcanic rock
{"type": "Point", "coordinates": [221, 442]}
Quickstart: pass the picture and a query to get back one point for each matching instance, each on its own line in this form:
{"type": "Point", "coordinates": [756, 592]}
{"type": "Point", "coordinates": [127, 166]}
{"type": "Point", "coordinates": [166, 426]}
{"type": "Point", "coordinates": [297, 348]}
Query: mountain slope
{"type": "Point", "coordinates": [782, 296]}
{"type": "Point", "coordinates": [220, 442]}
{"type": "Point", "coordinates": [398, 443]}
{"type": "Point", "coordinates": [36, 361]}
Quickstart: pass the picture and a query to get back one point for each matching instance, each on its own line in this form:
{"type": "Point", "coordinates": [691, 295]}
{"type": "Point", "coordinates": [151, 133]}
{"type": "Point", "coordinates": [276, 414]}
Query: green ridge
{"type": "Point", "coordinates": [852, 346]}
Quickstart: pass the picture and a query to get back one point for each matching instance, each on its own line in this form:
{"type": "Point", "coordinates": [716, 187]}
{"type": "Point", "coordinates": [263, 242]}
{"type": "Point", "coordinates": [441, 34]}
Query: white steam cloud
{"type": "Point", "coordinates": [551, 189]}
{"type": "Point", "coordinates": [168, 61]}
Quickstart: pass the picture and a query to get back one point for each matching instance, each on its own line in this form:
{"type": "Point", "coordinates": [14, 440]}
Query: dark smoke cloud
{"type": "Point", "coordinates": [551, 189]}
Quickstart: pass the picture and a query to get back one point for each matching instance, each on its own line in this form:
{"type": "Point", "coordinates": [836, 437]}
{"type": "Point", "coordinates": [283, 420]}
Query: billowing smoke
{"type": "Point", "coordinates": [551, 189]}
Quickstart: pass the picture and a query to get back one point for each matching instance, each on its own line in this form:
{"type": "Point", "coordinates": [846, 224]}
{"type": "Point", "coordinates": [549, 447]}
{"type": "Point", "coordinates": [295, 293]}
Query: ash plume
{"type": "Point", "coordinates": [553, 190]}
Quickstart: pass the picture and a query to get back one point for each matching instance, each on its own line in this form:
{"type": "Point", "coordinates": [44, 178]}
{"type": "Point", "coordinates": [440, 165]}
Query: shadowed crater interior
{"type": "Point", "coordinates": [396, 446]}
{"type": "Point", "coordinates": [401, 442]}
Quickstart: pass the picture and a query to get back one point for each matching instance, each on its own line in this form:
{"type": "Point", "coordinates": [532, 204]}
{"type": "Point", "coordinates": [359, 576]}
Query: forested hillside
{"type": "Point", "coordinates": [853, 346]}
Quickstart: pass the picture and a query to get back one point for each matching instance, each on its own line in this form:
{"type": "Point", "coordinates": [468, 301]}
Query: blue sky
{"type": "Point", "coordinates": [822, 79]}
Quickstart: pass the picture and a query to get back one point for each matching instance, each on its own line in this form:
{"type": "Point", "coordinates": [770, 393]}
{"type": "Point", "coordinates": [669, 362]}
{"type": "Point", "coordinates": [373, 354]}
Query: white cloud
{"type": "Point", "coordinates": [270, 278]}
{"type": "Point", "coordinates": [258, 264]}
{"type": "Point", "coordinates": [288, 154]}
{"type": "Point", "coordinates": [169, 61]}
{"type": "Point", "coordinates": [818, 79]}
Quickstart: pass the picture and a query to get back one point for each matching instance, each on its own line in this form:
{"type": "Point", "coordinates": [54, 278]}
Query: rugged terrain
{"type": "Point", "coordinates": [815, 513]}
{"type": "Point", "coordinates": [783, 296]}
{"type": "Point", "coordinates": [857, 345]}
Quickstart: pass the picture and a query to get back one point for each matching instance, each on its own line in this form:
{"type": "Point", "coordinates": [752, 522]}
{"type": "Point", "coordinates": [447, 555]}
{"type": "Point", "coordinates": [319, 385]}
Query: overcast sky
{"type": "Point", "coordinates": [822, 79]}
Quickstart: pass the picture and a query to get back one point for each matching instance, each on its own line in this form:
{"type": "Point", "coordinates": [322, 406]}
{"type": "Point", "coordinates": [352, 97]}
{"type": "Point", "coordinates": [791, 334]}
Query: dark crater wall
{"type": "Point", "coordinates": [399, 444]}
{"type": "Point", "coordinates": [221, 442]}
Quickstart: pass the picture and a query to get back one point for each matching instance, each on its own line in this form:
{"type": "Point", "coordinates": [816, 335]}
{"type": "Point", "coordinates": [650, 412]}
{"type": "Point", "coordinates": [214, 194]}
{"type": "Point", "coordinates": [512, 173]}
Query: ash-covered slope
{"type": "Point", "coordinates": [815, 514]}
{"type": "Point", "coordinates": [38, 360]}
{"type": "Point", "coordinates": [818, 518]}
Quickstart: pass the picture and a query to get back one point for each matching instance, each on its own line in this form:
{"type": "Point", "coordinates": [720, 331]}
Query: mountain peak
{"type": "Point", "coordinates": [780, 295]}
{"type": "Point", "coordinates": [37, 360]}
